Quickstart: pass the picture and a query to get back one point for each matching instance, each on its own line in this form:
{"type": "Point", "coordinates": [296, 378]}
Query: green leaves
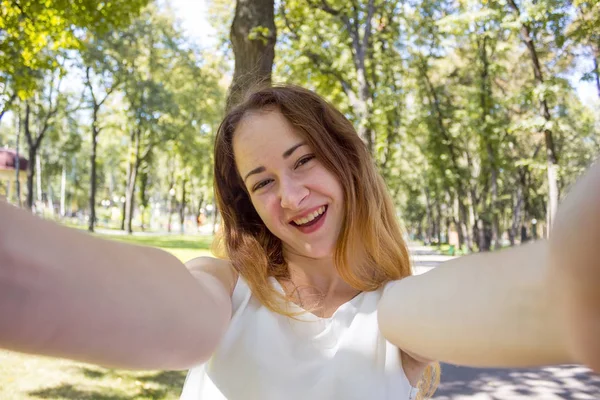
{"type": "Point", "coordinates": [33, 31]}
{"type": "Point", "coordinates": [261, 33]}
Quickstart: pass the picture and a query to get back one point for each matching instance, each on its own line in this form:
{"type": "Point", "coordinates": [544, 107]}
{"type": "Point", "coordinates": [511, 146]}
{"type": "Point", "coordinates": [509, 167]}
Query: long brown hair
{"type": "Point", "coordinates": [370, 225]}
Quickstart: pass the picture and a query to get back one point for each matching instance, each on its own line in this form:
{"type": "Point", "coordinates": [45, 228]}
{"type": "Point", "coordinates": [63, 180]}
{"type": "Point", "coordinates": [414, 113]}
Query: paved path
{"type": "Point", "coordinates": [425, 258]}
{"type": "Point", "coordinates": [566, 382]}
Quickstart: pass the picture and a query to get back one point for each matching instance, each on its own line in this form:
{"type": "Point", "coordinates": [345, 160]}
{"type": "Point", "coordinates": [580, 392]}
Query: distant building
{"type": "Point", "coordinates": [8, 173]}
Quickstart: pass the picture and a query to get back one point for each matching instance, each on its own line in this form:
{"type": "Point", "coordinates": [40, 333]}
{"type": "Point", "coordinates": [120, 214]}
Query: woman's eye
{"type": "Point", "coordinates": [304, 160]}
{"type": "Point", "coordinates": [260, 185]}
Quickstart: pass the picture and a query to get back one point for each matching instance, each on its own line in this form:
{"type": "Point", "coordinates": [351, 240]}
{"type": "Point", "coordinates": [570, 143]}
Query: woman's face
{"type": "Point", "coordinates": [297, 198]}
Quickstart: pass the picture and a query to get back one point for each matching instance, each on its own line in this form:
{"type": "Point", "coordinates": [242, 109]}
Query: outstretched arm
{"type": "Point", "coordinates": [484, 310]}
{"type": "Point", "coordinates": [502, 309]}
{"type": "Point", "coordinates": [575, 268]}
{"type": "Point", "coordinates": [65, 293]}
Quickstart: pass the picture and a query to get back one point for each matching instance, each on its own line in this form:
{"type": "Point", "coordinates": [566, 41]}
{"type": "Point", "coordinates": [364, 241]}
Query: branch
{"type": "Point", "coordinates": [88, 83]}
{"type": "Point", "coordinates": [46, 125]}
{"type": "Point", "coordinates": [317, 59]}
{"type": "Point", "coordinates": [51, 112]}
{"type": "Point", "coordinates": [16, 4]}
{"type": "Point", "coordinates": [27, 131]}
{"type": "Point", "coordinates": [78, 106]}
{"type": "Point", "coordinates": [7, 105]}
{"type": "Point", "coordinates": [324, 6]}
{"type": "Point", "coordinates": [370, 12]}
{"type": "Point", "coordinates": [108, 92]}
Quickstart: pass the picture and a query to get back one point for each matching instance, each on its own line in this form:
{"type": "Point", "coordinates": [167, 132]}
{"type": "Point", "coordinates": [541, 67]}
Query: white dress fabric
{"type": "Point", "coordinates": [267, 356]}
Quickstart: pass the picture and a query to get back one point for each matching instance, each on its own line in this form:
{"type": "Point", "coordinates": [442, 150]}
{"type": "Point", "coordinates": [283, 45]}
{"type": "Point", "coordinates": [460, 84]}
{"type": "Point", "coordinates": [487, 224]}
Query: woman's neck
{"type": "Point", "coordinates": [316, 276]}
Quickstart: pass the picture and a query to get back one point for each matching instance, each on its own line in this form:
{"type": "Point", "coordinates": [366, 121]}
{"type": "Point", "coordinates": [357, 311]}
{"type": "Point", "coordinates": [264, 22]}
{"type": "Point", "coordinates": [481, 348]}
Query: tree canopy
{"type": "Point", "coordinates": [470, 109]}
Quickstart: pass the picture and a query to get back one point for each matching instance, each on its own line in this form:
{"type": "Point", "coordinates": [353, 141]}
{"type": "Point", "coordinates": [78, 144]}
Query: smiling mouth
{"type": "Point", "coordinates": [311, 219]}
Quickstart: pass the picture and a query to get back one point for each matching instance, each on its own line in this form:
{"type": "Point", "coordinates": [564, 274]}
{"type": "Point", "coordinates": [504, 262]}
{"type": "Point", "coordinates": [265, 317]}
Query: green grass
{"type": "Point", "coordinates": [181, 246]}
{"type": "Point", "coordinates": [32, 377]}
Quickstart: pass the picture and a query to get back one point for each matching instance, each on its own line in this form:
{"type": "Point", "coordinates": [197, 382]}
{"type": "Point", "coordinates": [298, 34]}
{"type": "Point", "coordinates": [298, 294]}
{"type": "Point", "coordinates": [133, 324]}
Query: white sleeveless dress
{"type": "Point", "coordinates": [267, 356]}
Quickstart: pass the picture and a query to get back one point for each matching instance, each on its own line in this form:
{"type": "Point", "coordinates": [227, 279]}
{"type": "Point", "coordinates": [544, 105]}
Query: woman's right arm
{"type": "Point", "coordinates": [64, 293]}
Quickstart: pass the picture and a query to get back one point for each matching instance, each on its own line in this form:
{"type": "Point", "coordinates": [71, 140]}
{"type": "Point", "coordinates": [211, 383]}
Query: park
{"type": "Point", "coordinates": [479, 116]}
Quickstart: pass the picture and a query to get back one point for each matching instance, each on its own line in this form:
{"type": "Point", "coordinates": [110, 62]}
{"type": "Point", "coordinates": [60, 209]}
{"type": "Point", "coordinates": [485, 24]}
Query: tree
{"type": "Point", "coordinates": [253, 37]}
{"type": "Point", "coordinates": [584, 31]}
{"type": "Point", "coordinates": [528, 37]}
{"type": "Point", "coordinates": [333, 35]}
{"type": "Point", "coordinates": [101, 63]}
{"type": "Point", "coordinates": [32, 31]}
{"type": "Point", "coordinates": [39, 116]}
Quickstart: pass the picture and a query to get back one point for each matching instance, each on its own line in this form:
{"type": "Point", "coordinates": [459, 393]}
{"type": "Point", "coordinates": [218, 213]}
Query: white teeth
{"type": "Point", "coordinates": [310, 217]}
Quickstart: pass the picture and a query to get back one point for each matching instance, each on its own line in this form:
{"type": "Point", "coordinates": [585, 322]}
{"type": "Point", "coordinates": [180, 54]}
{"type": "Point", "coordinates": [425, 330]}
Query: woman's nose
{"type": "Point", "coordinates": [292, 193]}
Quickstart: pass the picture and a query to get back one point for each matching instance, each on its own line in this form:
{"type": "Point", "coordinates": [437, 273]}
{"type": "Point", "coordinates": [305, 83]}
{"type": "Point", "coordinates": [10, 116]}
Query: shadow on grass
{"type": "Point", "coordinates": [172, 379]}
{"type": "Point", "coordinates": [168, 382]}
{"type": "Point", "coordinates": [66, 391]}
{"type": "Point", "coordinates": [94, 373]}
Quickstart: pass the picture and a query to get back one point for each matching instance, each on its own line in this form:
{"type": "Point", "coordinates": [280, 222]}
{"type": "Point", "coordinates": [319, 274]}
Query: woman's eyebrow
{"type": "Point", "coordinates": [255, 171]}
{"type": "Point", "coordinates": [291, 150]}
{"type": "Point", "coordinates": [286, 154]}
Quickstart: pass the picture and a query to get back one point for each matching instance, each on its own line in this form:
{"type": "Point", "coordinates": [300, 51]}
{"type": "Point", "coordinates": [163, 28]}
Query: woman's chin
{"type": "Point", "coordinates": [320, 252]}
{"type": "Point", "coordinates": [311, 251]}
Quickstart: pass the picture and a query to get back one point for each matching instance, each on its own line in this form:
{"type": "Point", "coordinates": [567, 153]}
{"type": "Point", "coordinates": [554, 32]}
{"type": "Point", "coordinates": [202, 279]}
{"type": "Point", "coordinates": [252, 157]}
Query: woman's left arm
{"type": "Point", "coordinates": [536, 304]}
{"type": "Point", "coordinates": [485, 310]}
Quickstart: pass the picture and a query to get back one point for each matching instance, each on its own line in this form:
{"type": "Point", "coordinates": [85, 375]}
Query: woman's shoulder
{"type": "Point", "coordinates": [218, 268]}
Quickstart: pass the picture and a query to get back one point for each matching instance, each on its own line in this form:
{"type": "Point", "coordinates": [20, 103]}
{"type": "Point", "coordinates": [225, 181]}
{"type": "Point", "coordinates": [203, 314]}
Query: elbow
{"type": "Point", "coordinates": [201, 337]}
{"type": "Point", "coordinates": [194, 351]}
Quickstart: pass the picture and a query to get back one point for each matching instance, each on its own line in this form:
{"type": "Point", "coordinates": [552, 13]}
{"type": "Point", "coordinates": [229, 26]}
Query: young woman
{"type": "Point", "coordinates": [314, 298]}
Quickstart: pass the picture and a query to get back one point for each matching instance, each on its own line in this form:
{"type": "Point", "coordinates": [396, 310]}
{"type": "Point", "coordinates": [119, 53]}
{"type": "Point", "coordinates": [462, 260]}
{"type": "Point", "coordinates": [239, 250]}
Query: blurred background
{"type": "Point", "coordinates": [479, 115]}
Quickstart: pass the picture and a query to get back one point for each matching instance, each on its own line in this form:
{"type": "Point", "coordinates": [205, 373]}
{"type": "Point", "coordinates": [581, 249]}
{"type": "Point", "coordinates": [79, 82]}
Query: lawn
{"type": "Point", "coordinates": [30, 377]}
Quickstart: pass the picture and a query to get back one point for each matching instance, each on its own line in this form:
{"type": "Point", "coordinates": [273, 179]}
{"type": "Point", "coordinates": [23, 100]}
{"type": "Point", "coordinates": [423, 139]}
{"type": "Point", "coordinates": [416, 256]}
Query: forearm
{"type": "Point", "coordinates": [575, 267]}
{"type": "Point", "coordinates": [65, 293]}
{"type": "Point", "coordinates": [489, 310]}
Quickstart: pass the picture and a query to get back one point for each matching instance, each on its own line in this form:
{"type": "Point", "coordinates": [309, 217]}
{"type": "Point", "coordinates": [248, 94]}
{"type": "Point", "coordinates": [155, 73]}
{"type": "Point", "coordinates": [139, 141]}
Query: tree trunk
{"type": "Point", "coordinates": [38, 180]}
{"type": "Point", "coordinates": [434, 102]}
{"type": "Point", "coordinates": [144, 179]}
{"type": "Point", "coordinates": [50, 195]}
{"type": "Point", "coordinates": [124, 203]}
{"type": "Point", "coordinates": [130, 197]}
{"type": "Point", "coordinates": [429, 214]}
{"type": "Point", "coordinates": [464, 224]}
{"type": "Point", "coordinates": [130, 194]}
{"type": "Point", "coordinates": [63, 190]}
{"type": "Point", "coordinates": [17, 160]}
{"type": "Point", "coordinates": [494, 210]}
{"type": "Point", "coordinates": [170, 210]}
{"type": "Point", "coordinates": [253, 35]}
{"type": "Point", "coordinates": [551, 155]}
{"type": "Point", "coordinates": [30, 176]}
{"type": "Point", "coordinates": [517, 207]}
{"type": "Point", "coordinates": [473, 215]}
{"type": "Point", "coordinates": [127, 183]}
{"type": "Point", "coordinates": [438, 222]}
{"type": "Point", "coordinates": [485, 99]}
{"type": "Point", "coordinates": [182, 204]}
{"type": "Point", "coordinates": [597, 68]}
{"type": "Point", "coordinates": [32, 156]}
{"type": "Point", "coordinates": [95, 132]}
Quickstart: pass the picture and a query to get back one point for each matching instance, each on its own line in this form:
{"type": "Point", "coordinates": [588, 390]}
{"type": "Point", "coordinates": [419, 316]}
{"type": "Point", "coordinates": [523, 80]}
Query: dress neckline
{"type": "Point", "coordinates": [350, 303]}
